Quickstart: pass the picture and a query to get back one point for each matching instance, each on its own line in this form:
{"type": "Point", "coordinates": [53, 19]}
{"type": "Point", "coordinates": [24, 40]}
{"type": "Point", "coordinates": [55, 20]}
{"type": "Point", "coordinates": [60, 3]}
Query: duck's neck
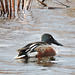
{"type": "Point", "coordinates": [47, 42]}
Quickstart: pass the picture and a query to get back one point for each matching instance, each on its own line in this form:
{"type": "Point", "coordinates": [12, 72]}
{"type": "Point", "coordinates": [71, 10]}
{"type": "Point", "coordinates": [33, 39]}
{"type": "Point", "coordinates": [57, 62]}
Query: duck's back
{"type": "Point", "coordinates": [32, 46]}
{"type": "Point", "coordinates": [36, 49]}
{"type": "Point", "coordinates": [30, 49]}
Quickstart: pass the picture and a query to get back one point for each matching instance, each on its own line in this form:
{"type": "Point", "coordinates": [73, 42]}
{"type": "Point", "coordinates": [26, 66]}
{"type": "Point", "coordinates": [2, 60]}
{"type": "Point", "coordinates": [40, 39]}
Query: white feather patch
{"type": "Point", "coordinates": [19, 57]}
{"type": "Point", "coordinates": [33, 54]}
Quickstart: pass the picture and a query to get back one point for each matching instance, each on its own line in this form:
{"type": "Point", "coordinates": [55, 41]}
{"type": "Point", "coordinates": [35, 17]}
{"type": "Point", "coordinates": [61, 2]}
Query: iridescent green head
{"type": "Point", "coordinates": [47, 38]}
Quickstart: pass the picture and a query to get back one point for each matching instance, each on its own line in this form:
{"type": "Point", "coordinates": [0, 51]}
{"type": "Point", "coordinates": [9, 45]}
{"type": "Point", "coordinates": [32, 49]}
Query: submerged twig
{"type": "Point", "coordinates": [47, 6]}
{"type": "Point", "coordinates": [43, 0]}
{"type": "Point", "coordinates": [42, 3]}
{"type": "Point", "coordinates": [63, 4]}
{"type": "Point", "coordinates": [55, 8]}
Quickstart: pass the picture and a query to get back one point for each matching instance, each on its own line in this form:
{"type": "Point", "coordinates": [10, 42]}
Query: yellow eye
{"type": "Point", "coordinates": [50, 37]}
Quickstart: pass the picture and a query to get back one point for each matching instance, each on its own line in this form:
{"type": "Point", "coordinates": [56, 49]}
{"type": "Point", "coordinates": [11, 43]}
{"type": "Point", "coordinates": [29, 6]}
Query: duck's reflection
{"type": "Point", "coordinates": [45, 62]}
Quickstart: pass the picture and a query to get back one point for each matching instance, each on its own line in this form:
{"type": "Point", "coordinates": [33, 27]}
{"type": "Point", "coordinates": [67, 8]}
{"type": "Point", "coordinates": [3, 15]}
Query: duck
{"type": "Point", "coordinates": [39, 49]}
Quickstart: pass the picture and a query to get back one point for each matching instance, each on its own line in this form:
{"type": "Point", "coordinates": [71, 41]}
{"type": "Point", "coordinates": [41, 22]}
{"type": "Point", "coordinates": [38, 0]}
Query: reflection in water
{"type": "Point", "coordinates": [43, 62]}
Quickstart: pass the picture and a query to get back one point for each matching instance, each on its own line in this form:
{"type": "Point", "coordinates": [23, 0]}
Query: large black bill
{"type": "Point", "coordinates": [55, 42]}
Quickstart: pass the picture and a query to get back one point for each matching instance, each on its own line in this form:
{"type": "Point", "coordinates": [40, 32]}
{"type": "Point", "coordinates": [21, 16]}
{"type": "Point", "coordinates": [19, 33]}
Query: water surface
{"type": "Point", "coordinates": [15, 34]}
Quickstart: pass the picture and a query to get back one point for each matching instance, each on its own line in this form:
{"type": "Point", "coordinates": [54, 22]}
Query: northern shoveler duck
{"type": "Point", "coordinates": [39, 49]}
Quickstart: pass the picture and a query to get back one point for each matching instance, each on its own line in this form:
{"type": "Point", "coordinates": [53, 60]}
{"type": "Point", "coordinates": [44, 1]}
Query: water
{"type": "Point", "coordinates": [16, 34]}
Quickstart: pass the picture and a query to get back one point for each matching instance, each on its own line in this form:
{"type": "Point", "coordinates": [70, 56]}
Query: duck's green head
{"type": "Point", "coordinates": [47, 38]}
